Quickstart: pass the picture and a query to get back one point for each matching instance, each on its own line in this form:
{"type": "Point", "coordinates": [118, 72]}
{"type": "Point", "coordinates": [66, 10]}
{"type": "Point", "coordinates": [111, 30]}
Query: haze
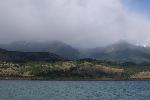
{"type": "Point", "coordinates": [81, 23]}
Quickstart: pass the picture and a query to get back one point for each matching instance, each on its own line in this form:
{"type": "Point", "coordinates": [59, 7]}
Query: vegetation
{"type": "Point", "coordinates": [81, 69]}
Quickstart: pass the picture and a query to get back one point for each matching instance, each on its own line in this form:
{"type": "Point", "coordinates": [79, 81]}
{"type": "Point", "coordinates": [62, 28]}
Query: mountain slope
{"type": "Point", "coordinates": [122, 52]}
{"type": "Point", "coordinates": [118, 52]}
{"type": "Point", "coordinates": [57, 47]}
{"type": "Point", "coordinates": [27, 56]}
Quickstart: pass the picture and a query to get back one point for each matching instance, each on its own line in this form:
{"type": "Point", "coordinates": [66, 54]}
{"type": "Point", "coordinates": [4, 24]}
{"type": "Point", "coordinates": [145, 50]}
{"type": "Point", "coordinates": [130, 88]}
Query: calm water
{"type": "Point", "coordinates": [74, 90]}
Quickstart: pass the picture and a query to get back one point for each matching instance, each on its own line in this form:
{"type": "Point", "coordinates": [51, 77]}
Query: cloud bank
{"type": "Point", "coordinates": [81, 23]}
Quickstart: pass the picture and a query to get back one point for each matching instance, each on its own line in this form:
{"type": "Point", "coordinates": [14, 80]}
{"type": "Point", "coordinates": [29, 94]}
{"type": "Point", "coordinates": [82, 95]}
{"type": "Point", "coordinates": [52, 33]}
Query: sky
{"type": "Point", "coordinates": [139, 6]}
{"type": "Point", "coordinates": [80, 23]}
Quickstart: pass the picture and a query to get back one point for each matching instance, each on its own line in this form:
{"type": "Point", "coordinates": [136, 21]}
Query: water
{"type": "Point", "coordinates": [74, 90]}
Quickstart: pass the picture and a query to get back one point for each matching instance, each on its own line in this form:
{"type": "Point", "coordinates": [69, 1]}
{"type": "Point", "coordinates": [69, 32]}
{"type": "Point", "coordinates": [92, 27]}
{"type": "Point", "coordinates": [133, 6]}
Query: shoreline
{"type": "Point", "coordinates": [67, 79]}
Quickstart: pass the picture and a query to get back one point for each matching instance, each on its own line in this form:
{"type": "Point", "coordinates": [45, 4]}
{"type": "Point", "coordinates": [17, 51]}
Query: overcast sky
{"type": "Point", "coordinates": [81, 23]}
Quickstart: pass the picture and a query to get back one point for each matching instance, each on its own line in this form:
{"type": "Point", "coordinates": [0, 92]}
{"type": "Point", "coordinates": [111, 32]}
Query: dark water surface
{"type": "Point", "coordinates": [74, 90]}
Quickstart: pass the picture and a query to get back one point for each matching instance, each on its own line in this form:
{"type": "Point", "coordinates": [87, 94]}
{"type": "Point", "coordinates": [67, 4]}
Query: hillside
{"type": "Point", "coordinates": [67, 69]}
{"type": "Point", "coordinates": [121, 52]}
{"type": "Point", "coordinates": [56, 47]}
{"type": "Point", "coordinates": [118, 52]}
{"type": "Point", "coordinates": [45, 65]}
{"type": "Point", "coordinates": [72, 70]}
{"type": "Point", "coordinates": [15, 56]}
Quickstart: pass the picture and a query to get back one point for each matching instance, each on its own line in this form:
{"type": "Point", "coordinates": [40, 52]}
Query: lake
{"type": "Point", "coordinates": [74, 90]}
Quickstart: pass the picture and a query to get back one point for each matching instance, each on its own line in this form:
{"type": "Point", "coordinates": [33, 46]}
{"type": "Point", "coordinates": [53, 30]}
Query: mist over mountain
{"type": "Point", "coordinates": [120, 51]}
{"type": "Point", "coordinates": [100, 39]}
{"type": "Point", "coordinates": [56, 47]}
{"type": "Point", "coordinates": [80, 23]}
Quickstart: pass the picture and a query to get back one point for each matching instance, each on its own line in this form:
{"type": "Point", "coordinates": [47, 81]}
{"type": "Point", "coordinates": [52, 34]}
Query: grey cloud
{"type": "Point", "coordinates": [82, 23]}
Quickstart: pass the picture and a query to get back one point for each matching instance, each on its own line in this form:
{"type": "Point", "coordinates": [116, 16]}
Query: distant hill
{"type": "Point", "coordinates": [121, 52]}
{"type": "Point", "coordinates": [118, 52]}
{"type": "Point", "coordinates": [57, 47]}
{"type": "Point", "coordinates": [15, 56]}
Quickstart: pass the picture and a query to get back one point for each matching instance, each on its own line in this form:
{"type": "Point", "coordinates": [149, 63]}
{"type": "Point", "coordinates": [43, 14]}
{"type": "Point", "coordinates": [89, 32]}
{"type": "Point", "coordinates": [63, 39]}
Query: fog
{"type": "Point", "coordinates": [81, 23]}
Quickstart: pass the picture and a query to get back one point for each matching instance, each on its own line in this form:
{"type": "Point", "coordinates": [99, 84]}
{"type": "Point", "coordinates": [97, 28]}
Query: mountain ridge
{"type": "Point", "coordinates": [18, 56]}
{"type": "Point", "coordinates": [62, 49]}
{"type": "Point", "coordinates": [121, 51]}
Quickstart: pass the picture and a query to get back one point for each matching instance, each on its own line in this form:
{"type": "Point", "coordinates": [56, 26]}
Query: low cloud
{"type": "Point", "coordinates": [81, 23]}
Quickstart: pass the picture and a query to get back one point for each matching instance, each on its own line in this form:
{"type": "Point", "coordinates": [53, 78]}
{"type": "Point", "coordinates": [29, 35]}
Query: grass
{"type": "Point", "coordinates": [72, 70]}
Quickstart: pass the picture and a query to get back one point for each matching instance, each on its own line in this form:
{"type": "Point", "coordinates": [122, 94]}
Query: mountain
{"type": "Point", "coordinates": [27, 56]}
{"type": "Point", "coordinates": [57, 47]}
{"type": "Point", "coordinates": [121, 52]}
